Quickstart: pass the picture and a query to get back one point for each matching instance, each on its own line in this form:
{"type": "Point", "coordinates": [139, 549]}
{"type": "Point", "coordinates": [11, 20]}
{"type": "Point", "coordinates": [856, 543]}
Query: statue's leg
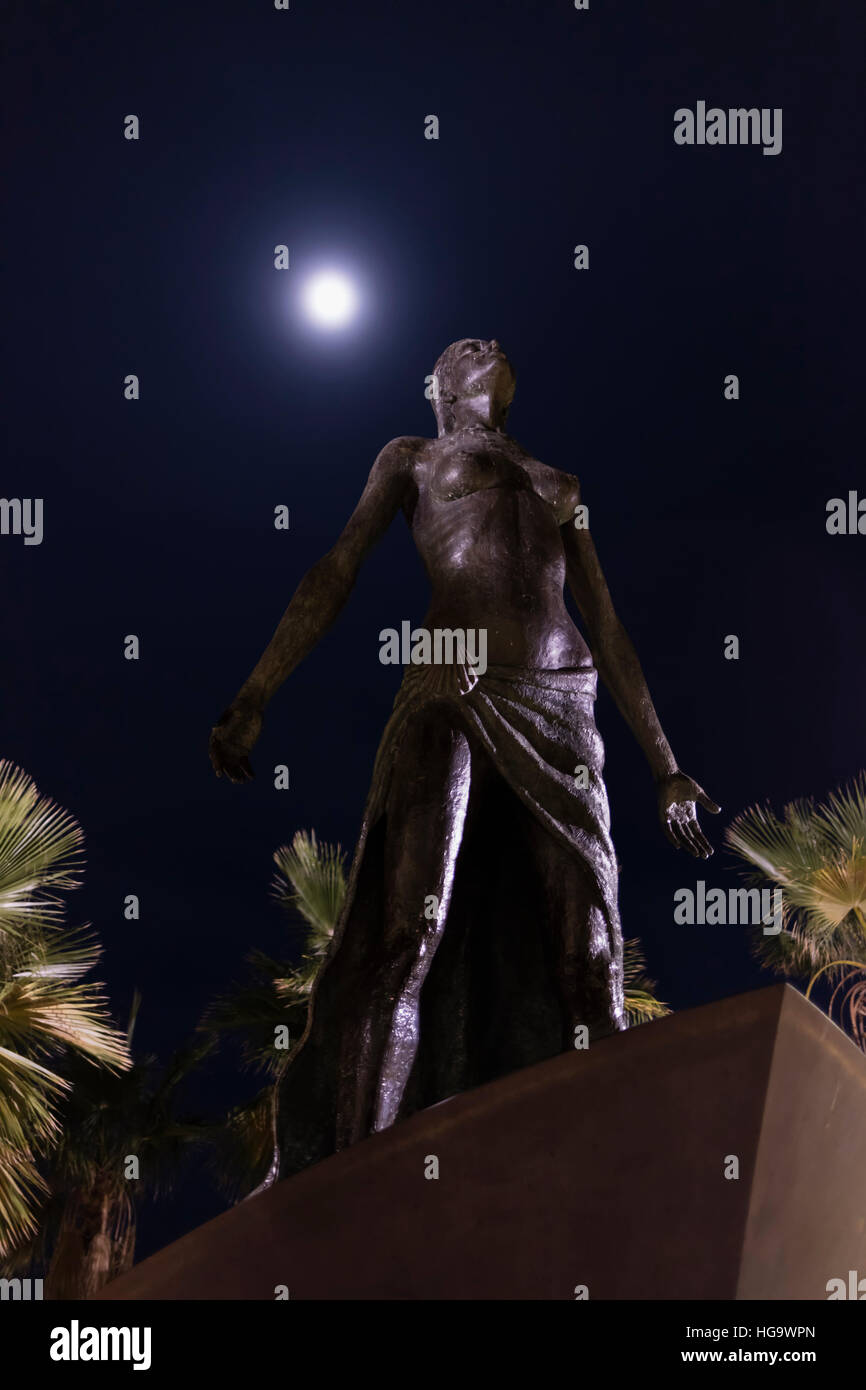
{"type": "Point", "coordinates": [425, 817]}
{"type": "Point", "coordinates": [585, 952]}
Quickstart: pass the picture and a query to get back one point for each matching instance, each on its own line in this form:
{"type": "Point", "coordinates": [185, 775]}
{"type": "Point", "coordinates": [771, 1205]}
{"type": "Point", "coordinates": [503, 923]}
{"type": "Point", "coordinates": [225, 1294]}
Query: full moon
{"type": "Point", "coordinates": [330, 299]}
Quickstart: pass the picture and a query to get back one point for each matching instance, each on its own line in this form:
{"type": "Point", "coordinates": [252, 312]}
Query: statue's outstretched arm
{"type": "Point", "coordinates": [620, 669]}
{"type": "Point", "coordinates": [314, 606]}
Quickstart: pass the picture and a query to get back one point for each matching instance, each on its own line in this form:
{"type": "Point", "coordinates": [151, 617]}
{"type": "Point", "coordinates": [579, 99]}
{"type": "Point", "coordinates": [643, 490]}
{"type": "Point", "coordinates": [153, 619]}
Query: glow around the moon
{"type": "Point", "coordinates": [330, 299]}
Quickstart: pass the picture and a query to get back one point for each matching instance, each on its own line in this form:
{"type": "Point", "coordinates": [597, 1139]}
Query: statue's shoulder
{"type": "Point", "coordinates": [567, 485]}
{"type": "Point", "coordinates": [399, 456]}
{"type": "Point", "coordinates": [560, 489]}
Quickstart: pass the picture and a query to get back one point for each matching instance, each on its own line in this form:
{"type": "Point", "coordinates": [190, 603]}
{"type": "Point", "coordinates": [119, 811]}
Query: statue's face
{"type": "Point", "coordinates": [479, 367]}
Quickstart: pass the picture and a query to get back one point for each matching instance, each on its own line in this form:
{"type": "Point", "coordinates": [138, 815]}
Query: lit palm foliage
{"type": "Point", "coordinates": [310, 886]}
{"type": "Point", "coordinates": [87, 1220]}
{"type": "Point", "coordinates": [311, 881]}
{"type": "Point", "coordinates": [46, 1006]}
{"type": "Point", "coordinates": [815, 854]}
{"type": "Point", "coordinates": [641, 1005]}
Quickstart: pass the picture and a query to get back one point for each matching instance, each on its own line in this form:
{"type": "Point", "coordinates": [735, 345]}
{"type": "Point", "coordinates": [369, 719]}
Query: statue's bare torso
{"type": "Point", "coordinates": [486, 519]}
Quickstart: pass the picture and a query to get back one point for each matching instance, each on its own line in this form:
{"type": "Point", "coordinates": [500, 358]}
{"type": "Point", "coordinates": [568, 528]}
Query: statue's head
{"type": "Point", "coordinates": [472, 368]}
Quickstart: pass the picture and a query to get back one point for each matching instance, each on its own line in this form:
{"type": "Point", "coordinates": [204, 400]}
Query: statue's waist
{"type": "Point", "coordinates": [461, 678]}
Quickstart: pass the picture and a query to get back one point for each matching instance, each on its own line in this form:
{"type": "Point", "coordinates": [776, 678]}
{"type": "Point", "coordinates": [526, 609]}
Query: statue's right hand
{"type": "Point", "coordinates": [232, 740]}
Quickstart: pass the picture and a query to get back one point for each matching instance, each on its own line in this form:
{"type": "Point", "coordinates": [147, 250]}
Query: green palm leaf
{"type": "Point", "coordinates": [814, 852]}
{"type": "Point", "coordinates": [21, 1188]}
{"type": "Point", "coordinates": [46, 1008]}
{"type": "Point", "coordinates": [40, 854]}
{"type": "Point", "coordinates": [310, 884]}
{"type": "Point", "coordinates": [243, 1147]}
{"type": "Point", "coordinates": [311, 880]}
{"type": "Point", "coordinates": [641, 1005]}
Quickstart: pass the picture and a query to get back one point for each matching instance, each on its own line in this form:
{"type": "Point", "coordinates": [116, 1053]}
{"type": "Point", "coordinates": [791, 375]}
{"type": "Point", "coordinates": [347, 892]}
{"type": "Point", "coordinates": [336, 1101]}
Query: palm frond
{"type": "Point", "coordinates": [792, 952]}
{"type": "Point", "coordinates": [40, 854]}
{"type": "Point", "coordinates": [814, 852]}
{"type": "Point", "coordinates": [21, 1188]}
{"type": "Point", "coordinates": [835, 893]}
{"type": "Point", "coordinates": [133, 1016]}
{"type": "Point", "coordinates": [28, 1095]}
{"type": "Point", "coordinates": [782, 850]}
{"type": "Point", "coordinates": [46, 1007]}
{"type": "Point", "coordinates": [272, 997]}
{"type": "Point", "coordinates": [843, 817]}
{"type": "Point", "coordinates": [641, 1005]}
{"type": "Point", "coordinates": [311, 881]}
{"type": "Point", "coordinates": [52, 1019]}
{"type": "Point", "coordinates": [243, 1147]}
{"type": "Point", "coordinates": [44, 1003]}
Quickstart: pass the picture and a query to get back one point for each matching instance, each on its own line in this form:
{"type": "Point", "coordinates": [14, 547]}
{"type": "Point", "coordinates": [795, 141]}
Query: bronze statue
{"type": "Point", "coordinates": [481, 925]}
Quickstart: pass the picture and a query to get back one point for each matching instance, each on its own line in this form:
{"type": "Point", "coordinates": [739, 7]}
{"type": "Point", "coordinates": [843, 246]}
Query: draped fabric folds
{"type": "Point", "coordinates": [488, 1005]}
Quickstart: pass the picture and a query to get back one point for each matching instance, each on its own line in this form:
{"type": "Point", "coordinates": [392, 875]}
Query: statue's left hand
{"type": "Point", "coordinates": [232, 739]}
{"type": "Point", "coordinates": [677, 798]}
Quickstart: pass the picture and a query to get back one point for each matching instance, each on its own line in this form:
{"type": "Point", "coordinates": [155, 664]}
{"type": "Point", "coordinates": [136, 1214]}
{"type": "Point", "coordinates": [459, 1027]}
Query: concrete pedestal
{"type": "Point", "coordinates": [605, 1168]}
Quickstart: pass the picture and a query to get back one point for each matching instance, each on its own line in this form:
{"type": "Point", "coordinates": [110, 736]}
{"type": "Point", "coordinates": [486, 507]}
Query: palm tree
{"type": "Point", "coordinates": [641, 1005]}
{"type": "Point", "coordinates": [46, 1007]}
{"type": "Point", "coordinates": [815, 854]}
{"type": "Point", "coordinates": [272, 1001]}
{"type": "Point", "coordinates": [310, 885]}
{"type": "Point", "coordinates": [120, 1143]}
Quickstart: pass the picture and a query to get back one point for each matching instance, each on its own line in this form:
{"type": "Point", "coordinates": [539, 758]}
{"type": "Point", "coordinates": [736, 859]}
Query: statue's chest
{"type": "Point", "coordinates": [461, 472]}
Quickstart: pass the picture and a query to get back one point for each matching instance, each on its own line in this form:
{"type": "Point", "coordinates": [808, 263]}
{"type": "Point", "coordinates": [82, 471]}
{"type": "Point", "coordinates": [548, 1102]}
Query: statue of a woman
{"type": "Point", "coordinates": [484, 871]}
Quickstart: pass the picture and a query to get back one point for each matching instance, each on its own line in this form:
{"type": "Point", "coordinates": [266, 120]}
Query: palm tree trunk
{"type": "Point", "coordinates": [95, 1243]}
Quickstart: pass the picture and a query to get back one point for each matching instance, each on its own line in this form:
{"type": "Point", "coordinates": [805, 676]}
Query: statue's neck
{"type": "Point", "coordinates": [477, 428]}
{"type": "Point", "coordinates": [480, 415]}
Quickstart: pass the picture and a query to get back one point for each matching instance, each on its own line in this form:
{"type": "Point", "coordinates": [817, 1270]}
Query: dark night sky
{"type": "Point", "coordinates": [156, 257]}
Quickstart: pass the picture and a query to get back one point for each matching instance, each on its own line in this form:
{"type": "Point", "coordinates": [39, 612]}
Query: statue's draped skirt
{"type": "Point", "coordinates": [488, 1005]}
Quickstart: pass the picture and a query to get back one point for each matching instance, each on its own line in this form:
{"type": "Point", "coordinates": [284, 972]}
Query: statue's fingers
{"type": "Point", "coordinates": [700, 839]}
{"type": "Point", "coordinates": [680, 839]}
{"type": "Point", "coordinates": [708, 803]}
{"type": "Point", "coordinates": [689, 840]}
{"type": "Point", "coordinates": [667, 827]}
{"type": "Point", "coordinates": [696, 838]}
{"type": "Point", "coordinates": [683, 829]}
{"type": "Point", "coordinates": [697, 831]}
